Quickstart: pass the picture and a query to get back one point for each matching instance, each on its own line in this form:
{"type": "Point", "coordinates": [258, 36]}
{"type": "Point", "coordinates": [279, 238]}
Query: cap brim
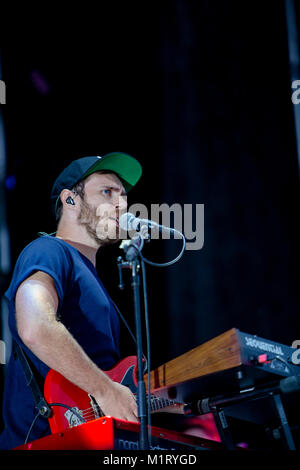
{"type": "Point", "coordinates": [125, 166]}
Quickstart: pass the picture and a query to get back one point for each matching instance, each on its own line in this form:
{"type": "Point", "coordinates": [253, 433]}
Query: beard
{"type": "Point", "coordinates": [101, 229]}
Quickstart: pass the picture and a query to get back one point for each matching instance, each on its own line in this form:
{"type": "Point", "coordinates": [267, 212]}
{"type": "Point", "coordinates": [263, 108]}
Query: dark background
{"type": "Point", "coordinates": [200, 93]}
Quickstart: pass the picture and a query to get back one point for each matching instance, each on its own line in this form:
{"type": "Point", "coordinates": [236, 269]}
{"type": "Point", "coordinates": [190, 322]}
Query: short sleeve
{"type": "Point", "coordinates": [43, 254]}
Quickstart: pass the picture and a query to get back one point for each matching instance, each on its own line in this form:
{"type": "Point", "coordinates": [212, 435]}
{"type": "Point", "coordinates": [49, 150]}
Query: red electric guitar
{"type": "Point", "coordinates": [82, 407]}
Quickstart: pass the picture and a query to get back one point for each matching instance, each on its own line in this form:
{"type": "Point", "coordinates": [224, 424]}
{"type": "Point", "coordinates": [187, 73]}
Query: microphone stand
{"type": "Point", "coordinates": [132, 250]}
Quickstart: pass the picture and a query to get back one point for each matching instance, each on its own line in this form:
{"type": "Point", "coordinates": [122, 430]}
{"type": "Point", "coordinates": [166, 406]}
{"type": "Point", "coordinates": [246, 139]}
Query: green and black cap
{"type": "Point", "coordinates": [128, 169]}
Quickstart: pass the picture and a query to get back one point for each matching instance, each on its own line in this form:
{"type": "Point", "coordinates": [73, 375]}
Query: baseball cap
{"type": "Point", "coordinates": [128, 169]}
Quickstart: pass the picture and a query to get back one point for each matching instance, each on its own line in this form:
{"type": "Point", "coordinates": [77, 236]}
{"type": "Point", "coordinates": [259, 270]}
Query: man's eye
{"type": "Point", "coordinates": [107, 192]}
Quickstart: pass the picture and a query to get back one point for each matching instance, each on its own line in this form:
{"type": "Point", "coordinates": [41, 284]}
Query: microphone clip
{"type": "Point", "coordinates": [132, 249]}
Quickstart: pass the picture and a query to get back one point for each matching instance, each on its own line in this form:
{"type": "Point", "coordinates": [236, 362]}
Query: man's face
{"type": "Point", "coordinates": [103, 203]}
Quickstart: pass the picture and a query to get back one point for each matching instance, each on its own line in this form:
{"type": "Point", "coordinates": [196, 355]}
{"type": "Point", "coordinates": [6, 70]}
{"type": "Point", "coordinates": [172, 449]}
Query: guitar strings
{"type": "Point", "coordinates": [156, 403]}
{"type": "Point", "coordinates": [154, 400]}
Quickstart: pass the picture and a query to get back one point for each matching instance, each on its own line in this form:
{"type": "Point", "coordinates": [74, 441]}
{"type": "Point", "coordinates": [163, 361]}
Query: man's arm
{"type": "Point", "coordinates": [38, 327]}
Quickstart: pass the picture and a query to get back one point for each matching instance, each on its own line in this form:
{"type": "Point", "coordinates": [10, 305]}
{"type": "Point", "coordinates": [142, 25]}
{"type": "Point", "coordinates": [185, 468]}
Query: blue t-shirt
{"type": "Point", "coordinates": [85, 309]}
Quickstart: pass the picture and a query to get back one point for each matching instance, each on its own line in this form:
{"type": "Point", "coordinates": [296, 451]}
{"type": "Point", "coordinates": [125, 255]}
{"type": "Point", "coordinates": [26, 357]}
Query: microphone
{"type": "Point", "coordinates": [129, 222]}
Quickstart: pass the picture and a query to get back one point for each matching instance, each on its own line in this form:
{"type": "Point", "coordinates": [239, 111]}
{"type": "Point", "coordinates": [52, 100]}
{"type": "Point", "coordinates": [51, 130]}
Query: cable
{"type": "Point", "coordinates": [148, 348]}
{"type": "Point", "coordinates": [278, 358]}
{"type": "Point", "coordinates": [131, 334]}
{"type": "Point", "coordinates": [31, 427]}
{"type": "Point", "coordinates": [168, 263]}
{"type": "Point", "coordinates": [78, 415]}
{"type": "Point", "coordinates": [44, 234]}
{"type": "Point", "coordinates": [144, 260]}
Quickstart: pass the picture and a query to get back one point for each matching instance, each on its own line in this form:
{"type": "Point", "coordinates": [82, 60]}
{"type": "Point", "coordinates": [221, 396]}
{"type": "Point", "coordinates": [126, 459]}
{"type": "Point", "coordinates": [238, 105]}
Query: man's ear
{"type": "Point", "coordinates": [67, 197]}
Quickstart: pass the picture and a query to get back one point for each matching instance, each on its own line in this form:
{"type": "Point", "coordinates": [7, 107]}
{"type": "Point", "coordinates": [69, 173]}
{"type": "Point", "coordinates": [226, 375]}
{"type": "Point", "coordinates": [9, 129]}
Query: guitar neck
{"type": "Point", "coordinates": [158, 403]}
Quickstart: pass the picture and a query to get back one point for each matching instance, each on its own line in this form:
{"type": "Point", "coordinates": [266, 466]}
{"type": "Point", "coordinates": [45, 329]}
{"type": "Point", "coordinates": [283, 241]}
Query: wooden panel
{"type": "Point", "coordinates": [216, 355]}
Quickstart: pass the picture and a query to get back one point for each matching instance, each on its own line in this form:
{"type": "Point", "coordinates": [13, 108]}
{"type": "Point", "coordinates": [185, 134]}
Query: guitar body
{"type": "Point", "coordinates": [57, 389]}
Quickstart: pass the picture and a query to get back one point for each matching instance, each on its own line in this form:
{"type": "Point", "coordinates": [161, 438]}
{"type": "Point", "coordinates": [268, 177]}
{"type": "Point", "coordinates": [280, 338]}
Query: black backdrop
{"type": "Point", "coordinates": [200, 93]}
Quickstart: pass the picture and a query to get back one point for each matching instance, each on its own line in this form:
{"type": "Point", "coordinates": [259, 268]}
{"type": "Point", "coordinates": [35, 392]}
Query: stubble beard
{"type": "Point", "coordinates": [88, 218]}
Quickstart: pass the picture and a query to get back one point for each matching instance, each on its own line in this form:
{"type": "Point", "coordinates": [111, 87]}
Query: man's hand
{"type": "Point", "coordinates": [118, 402]}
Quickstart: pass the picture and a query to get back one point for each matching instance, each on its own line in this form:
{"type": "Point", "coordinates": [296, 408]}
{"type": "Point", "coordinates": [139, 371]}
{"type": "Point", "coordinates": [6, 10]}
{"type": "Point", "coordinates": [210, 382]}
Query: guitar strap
{"type": "Point", "coordinates": [39, 401]}
{"type": "Point", "coordinates": [131, 334]}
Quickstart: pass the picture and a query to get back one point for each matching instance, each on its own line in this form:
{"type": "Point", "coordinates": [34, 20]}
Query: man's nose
{"type": "Point", "coordinates": [122, 203]}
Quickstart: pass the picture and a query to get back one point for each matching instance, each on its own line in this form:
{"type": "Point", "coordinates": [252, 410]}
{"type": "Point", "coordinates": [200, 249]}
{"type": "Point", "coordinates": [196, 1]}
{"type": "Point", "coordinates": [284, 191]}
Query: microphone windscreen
{"type": "Point", "coordinates": [128, 221]}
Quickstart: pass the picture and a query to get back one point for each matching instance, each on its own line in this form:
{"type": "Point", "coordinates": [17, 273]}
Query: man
{"type": "Point", "coordinates": [60, 312]}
